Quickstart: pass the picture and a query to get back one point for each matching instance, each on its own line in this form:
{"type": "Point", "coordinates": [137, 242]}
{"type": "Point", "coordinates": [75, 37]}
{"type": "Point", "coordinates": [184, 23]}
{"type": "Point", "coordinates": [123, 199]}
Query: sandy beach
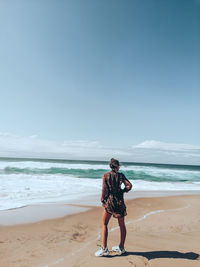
{"type": "Point", "coordinates": [161, 231]}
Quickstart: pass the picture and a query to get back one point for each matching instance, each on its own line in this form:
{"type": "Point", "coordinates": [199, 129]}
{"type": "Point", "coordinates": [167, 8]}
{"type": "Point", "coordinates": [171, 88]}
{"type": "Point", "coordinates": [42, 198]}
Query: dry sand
{"type": "Point", "coordinates": [162, 231]}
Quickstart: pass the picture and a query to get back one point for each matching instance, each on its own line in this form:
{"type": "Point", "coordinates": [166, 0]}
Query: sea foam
{"type": "Point", "coordinates": [25, 182]}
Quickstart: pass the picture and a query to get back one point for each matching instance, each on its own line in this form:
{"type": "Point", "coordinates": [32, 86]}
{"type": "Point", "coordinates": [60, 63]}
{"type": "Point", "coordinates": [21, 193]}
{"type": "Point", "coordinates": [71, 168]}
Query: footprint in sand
{"type": "Point", "coordinates": [79, 232]}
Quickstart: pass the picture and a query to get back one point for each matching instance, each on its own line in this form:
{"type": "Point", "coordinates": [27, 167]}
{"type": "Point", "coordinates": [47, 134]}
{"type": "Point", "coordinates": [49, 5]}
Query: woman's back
{"type": "Point", "coordinates": [113, 195]}
{"type": "Point", "coordinates": [113, 181]}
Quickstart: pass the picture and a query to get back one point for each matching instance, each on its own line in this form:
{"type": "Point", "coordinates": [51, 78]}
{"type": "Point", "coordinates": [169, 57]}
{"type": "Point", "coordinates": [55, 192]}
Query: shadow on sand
{"type": "Point", "coordinates": [150, 255]}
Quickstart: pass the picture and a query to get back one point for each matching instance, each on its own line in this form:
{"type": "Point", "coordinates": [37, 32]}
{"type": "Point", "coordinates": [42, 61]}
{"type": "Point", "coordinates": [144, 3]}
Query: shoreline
{"type": "Point", "coordinates": [162, 231]}
{"type": "Point", "coordinates": [53, 210]}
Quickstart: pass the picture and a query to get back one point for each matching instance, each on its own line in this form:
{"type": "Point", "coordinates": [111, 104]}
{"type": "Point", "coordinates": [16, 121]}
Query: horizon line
{"type": "Point", "coordinates": [133, 162]}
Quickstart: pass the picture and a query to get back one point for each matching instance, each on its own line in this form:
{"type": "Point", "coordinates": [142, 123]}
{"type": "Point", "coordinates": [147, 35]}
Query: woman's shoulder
{"type": "Point", "coordinates": [106, 174]}
{"type": "Point", "coordinates": [121, 175]}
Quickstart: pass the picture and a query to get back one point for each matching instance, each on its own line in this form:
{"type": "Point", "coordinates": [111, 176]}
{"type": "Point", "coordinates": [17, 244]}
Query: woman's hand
{"type": "Point", "coordinates": [128, 185]}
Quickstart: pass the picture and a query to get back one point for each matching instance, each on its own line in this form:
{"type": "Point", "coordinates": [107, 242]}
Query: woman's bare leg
{"type": "Point", "coordinates": [122, 231]}
{"type": "Point", "coordinates": [105, 221]}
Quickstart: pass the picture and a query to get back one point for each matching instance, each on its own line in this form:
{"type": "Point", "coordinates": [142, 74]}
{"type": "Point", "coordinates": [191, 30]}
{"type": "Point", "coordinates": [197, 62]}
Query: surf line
{"type": "Point", "coordinates": [115, 228]}
{"type": "Point", "coordinates": [149, 214]}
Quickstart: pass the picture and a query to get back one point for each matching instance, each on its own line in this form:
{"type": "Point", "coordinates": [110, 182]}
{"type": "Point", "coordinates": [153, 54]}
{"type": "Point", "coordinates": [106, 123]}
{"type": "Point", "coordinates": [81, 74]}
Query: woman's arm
{"type": "Point", "coordinates": [105, 192]}
{"type": "Point", "coordinates": [127, 183]}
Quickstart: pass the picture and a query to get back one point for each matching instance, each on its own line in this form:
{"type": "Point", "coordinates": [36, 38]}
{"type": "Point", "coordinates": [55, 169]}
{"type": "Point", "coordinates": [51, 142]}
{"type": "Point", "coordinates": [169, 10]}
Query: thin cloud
{"type": "Point", "coordinates": [152, 144]}
{"type": "Point", "coordinates": [32, 146]}
{"type": "Point", "coordinates": [148, 151]}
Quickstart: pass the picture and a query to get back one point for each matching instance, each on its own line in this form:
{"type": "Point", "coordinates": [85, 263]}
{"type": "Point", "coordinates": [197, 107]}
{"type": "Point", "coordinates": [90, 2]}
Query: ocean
{"type": "Point", "coordinates": [30, 181]}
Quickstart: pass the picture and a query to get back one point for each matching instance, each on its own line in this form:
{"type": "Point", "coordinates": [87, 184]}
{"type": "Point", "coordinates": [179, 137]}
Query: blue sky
{"type": "Point", "coordinates": [113, 72]}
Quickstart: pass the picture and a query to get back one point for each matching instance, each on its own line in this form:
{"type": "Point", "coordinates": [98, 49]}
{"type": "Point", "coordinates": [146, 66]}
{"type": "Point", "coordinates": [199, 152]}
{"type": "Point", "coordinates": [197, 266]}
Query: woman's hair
{"type": "Point", "coordinates": [114, 163]}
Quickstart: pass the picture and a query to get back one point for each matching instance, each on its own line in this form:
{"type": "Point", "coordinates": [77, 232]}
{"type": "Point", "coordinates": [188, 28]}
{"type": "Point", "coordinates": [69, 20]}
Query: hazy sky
{"type": "Point", "coordinates": [114, 72]}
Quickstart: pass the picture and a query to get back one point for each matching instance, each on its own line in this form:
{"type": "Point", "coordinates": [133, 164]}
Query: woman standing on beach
{"type": "Point", "coordinates": [113, 202]}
